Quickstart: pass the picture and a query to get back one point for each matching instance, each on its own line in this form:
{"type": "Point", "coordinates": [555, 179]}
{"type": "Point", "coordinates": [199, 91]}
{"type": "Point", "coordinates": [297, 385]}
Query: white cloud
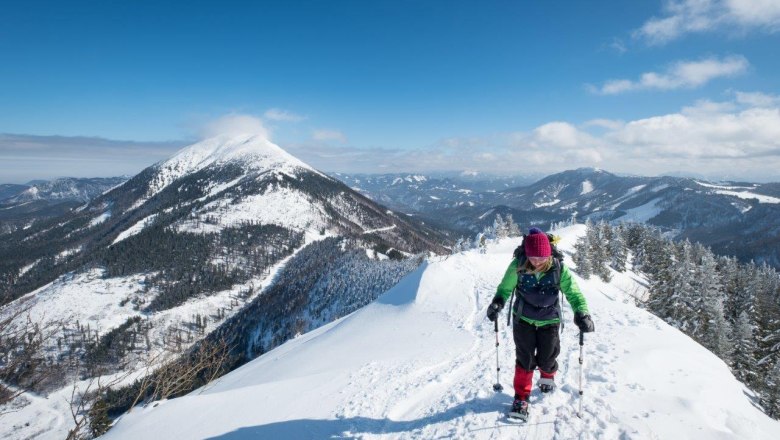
{"type": "Point", "coordinates": [276, 114]}
{"type": "Point", "coordinates": [329, 135]}
{"type": "Point", "coordinates": [25, 157]}
{"type": "Point", "coordinates": [681, 74]}
{"type": "Point", "coordinates": [235, 124]}
{"type": "Point", "coordinates": [739, 138]}
{"type": "Point", "coordinates": [609, 124]}
{"type": "Point", "coordinates": [692, 16]}
{"type": "Point", "coordinates": [703, 134]}
{"type": "Point", "coordinates": [757, 99]}
{"type": "Point", "coordinates": [618, 46]}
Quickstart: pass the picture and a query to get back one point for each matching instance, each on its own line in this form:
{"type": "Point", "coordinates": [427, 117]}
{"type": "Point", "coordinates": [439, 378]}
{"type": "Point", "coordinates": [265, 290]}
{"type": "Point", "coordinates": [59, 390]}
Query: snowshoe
{"type": "Point", "coordinates": [546, 385]}
{"type": "Point", "coordinates": [519, 410]}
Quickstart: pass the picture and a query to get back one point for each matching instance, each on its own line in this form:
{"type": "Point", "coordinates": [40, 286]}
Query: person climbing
{"type": "Point", "coordinates": [536, 275]}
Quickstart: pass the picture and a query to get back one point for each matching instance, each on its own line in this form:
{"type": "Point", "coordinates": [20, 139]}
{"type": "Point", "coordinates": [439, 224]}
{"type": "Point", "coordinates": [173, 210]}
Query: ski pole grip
{"type": "Point", "coordinates": [582, 338]}
{"type": "Point", "coordinates": [496, 325]}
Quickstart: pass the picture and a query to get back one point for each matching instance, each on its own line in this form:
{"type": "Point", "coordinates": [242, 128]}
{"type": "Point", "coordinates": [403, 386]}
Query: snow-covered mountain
{"type": "Point", "coordinates": [67, 188]}
{"type": "Point", "coordinates": [419, 362]}
{"type": "Point", "coordinates": [734, 218]}
{"type": "Point", "coordinates": [8, 190]}
{"type": "Point", "coordinates": [232, 235]}
{"type": "Point", "coordinates": [418, 193]}
{"type": "Point", "coordinates": [23, 205]}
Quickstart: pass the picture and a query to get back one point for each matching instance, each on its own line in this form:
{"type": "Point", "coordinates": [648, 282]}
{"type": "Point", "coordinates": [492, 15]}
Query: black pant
{"type": "Point", "coordinates": [536, 346]}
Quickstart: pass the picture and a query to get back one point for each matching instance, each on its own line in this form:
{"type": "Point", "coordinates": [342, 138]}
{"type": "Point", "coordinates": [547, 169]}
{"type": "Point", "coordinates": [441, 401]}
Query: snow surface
{"type": "Point", "coordinates": [27, 268]}
{"type": "Point", "coordinates": [279, 206]}
{"type": "Point", "coordinates": [748, 195]}
{"type": "Point", "coordinates": [551, 203]}
{"type": "Point", "coordinates": [642, 214]}
{"type": "Point", "coordinates": [90, 299]}
{"type": "Point", "coordinates": [66, 253]}
{"type": "Point", "coordinates": [255, 152]}
{"type": "Point", "coordinates": [734, 191]}
{"type": "Point", "coordinates": [420, 363]}
{"type": "Point", "coordinates": [136, 228]}
{"type": "Point", "coordinates": [387, 228]}
{"type": "Point", "coordinates": [99, 219]}
{"type": "Point", "coordinates": [587, 187]}
{"type": "Point", "coordinates": [489, 211]}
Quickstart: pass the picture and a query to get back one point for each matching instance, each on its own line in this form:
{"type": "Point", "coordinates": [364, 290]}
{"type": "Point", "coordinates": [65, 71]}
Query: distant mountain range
{"type": "Point", "coordinates": [734, 218]}
{"type": "Point", "coordinates": [22, 205]}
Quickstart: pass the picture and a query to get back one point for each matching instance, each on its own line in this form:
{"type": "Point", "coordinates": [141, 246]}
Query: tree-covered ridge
{"type": "Point", "coordinates": [326, 280]}
{"type": "Point", "coordinates": [731, 308]}
{"type": "Point", "coordinates": [186, 264]}
{"type": "Point", "coordinates": [27, 256]}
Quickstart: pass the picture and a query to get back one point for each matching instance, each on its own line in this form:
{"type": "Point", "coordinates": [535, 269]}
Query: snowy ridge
{"type": "Point", "coordinates": [420, 363]}
{"type": "Point", "coordinates": [740, 191]}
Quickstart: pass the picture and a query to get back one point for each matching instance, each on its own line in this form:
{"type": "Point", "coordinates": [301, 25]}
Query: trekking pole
{"type": "Point", "coordinates": [497, 387]}
{"type": "Point", "coordinates": [582, 343]}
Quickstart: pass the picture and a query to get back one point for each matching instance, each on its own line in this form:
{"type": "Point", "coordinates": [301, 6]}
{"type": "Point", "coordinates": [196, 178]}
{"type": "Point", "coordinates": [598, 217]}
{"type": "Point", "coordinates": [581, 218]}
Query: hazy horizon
{"type": "Point", "coordinates": [630, 87]}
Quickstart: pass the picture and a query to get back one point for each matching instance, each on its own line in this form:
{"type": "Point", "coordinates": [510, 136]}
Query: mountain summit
{"type": "Point", "coordinates": [254, 153]}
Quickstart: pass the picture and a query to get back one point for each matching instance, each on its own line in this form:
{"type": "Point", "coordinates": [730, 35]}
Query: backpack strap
{"type": "Point", "coordinates": [557, 267]}
{"type": "Point", "coordinates": [557, 274]}
{"type": "Point", "coordinates": [511, 306]}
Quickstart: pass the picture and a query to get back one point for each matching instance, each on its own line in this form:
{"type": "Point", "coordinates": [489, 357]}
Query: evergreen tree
{"type": "Point", "coordinates": [513, 229]}
{"type": "Point", "coordinates": [600, 251]}
{"type": "Point", "coordinates": [744, 354]}
{"type": "Point", "coordinates": [580, 258]}
{"type": "Point", "coordinates": [717, 333]}
{"type": "Point", "coordinates": [771, 398]}
{"type": "Point", "coordinates": [500, 227]}
{"type": "Point", "coordinates": [662, 286]}
{"type": "Point", "coordinates": [618, 250]}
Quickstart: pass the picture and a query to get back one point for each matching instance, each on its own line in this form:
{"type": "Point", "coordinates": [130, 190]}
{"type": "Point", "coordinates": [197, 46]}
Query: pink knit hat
{"type": "Point", "coordinates": [537, 244]}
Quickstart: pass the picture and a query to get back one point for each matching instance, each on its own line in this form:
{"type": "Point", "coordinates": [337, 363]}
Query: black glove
{"type": "Point", "coordinates": [583, 321]}
{"type": "Point", "coordinates": [495, 308]}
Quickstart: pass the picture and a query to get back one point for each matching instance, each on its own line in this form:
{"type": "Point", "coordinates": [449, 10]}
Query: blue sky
{"type": "Point", "coordinates": [504, 86]}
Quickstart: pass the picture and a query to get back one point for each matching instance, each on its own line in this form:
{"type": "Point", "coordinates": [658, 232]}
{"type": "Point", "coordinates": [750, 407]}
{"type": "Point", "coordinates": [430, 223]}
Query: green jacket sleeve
{"type": "Point", "coordinates": [509, 281]}
{"type": "Point", "coordinates": [572, 291]}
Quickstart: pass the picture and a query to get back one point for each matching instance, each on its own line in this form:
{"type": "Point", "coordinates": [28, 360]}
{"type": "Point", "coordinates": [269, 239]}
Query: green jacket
{"type": "Point", "coordinates": [569, 288]}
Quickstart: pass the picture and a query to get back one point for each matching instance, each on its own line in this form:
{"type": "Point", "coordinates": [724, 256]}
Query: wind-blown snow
{"type": "Point", "coordinates": [420, 363]}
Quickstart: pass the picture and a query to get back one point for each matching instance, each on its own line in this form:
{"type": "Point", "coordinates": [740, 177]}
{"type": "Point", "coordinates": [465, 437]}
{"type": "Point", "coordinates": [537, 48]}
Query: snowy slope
{"type": "Point", "coordinates": [254, 152]}
{"type": "Point", "coordinates": [420, 363]}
